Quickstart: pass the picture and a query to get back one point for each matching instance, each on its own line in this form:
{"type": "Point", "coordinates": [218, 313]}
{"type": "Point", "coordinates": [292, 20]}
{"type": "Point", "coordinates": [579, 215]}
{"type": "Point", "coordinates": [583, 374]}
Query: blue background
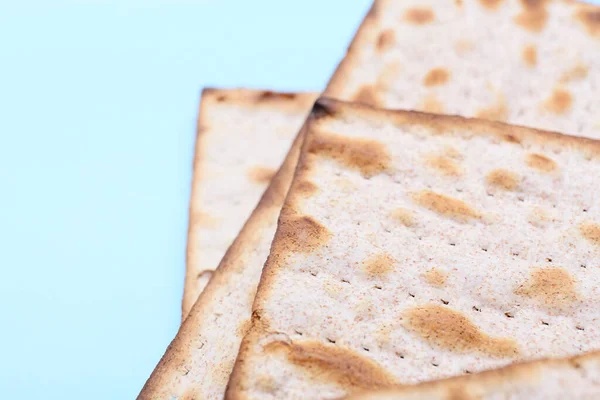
{"type": "Point", "coordinates": [98, 104]}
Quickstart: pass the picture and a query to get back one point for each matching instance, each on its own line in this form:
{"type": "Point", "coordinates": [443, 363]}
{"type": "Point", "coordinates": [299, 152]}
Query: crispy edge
{"type": "Point", "coordinates": [329, 108]}
{"type": "Point", "coordinates": [165, 379]}
{"type": "Point", "coordinates": [211, 97]}
{"type": "Point", "coordinates": [495, 381]}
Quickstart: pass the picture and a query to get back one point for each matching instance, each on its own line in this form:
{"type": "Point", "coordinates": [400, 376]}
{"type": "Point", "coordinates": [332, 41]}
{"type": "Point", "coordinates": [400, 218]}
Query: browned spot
{"type": "Point", "coordinates": [458, 3]}
{"type": "Point", "coordinates": [496, 112]}
{"type": "Point", "coordinates": [511, 138]}
{"type": "Point", "coordinates": [590, 18]}
{"type": "Point", "coordinates": [560, 102]}
{"type": "Point", "coordinates": [444, 165]}
{"type": "Point", "coordinates": [464, 46]}
{"type": "Point", "coordinates": [459, 393]}
{"type": "Point", "coordinates": [591, 232]}
{"type": "Point", "coordinates": [368, 156]}
{"type": "Point", "coordinates": [243, 328]}
{"type": "Point", "coordinates": [388, 74]}
{"type": "Point", "coordinates": [540, 162]}
{"type": "Point", "coordinates": [405, 216]}
{"type": "Point", "coordinates": [432, 105]}
{"type": "Point", "coordinates": [378, 265]}
{"type": "Point", "coordinates": [530, 55]}
{"type": "Point", "coordinates": [503, 179]}
{"type": "Point", "coordinates": [419, 16]}
{"type": "Point", "coordinates": [538, 217]}
{"type": "Point", "coordinates": [552, 288]}
{"type": "Point", "coordinates": [306, 188]}
{"type": "Point", "coordinates": [300, 234]}
{"type": "Point", "coordinates": [261, 174]}
{"type": "Point", "coordinates": [205, 220]}
{"type": "Point", "coordinates": [435, 277]}
{"type": "Point", "coordinates": [367, 95]}
{"type": "Point", "coordinates": [491, 4]}
{"type": "Point", "coordinates": [576, 73]}
{"type": "Point", "coordinates": [445, 205]}
{"type": "Point", "coordinates": [270, 95]}
{"type": "Point", "coordinates": [386, 40]}
{"type": "Point", "coordinates": [334, 364]}
{"type": "Point", "coordinates": [452, 331]}
{"type": "Point", "coordinates": [534, 15]}
{"type": "Point", "coordinates": [436, 77]}
{"type": "Point", "coordinates": [453, 153]}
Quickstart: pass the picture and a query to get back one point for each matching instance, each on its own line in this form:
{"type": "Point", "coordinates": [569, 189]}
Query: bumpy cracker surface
{"type": "Point", "coordinates": [429, 246]}
{"type": "Point", "coordinates": [243, 137]}
{"type": "Point", "coordinates": [526, 62]}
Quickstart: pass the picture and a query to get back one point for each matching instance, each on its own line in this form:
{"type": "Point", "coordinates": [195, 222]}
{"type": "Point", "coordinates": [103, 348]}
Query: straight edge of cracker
{"type": "Point", "coordinates": [211, 97]}
{"type": "Point", "coordinates": [173, 363]}
{"type": "Point", "coordinates": [494, 381]}
{"type": "Point", "coordinates": [435, 125]}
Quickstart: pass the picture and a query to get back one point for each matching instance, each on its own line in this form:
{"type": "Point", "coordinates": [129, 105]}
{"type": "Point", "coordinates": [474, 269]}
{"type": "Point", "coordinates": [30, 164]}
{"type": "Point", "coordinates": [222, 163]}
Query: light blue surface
{"type": "Point", "coordinates": [97, 117]}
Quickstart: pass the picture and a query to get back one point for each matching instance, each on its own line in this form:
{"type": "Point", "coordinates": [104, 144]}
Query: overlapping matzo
{"type": "Point", "coordinates": [243, 137]}
{"type": "Point", "coordinates": [413, 247]}
{"type": "Point", "coordinates": [526, 62]}
{"type": "Point", "coordinates": [574, 378]}
{"type": "Point", "coordinates": [199, 360]}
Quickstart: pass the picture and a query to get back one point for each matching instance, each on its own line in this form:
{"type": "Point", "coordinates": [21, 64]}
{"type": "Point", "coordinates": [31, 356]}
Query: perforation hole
{"type": "Point", "coordinates": [509, 314]}
{"type": "Point", "coordinates": [400, 355]}
{"type": "Point", "coordinates": [521, 198]}
{"type": "Point", "coordinates": [467, 371]}
{"type": "Point", "coordinates": [298, 332]}
{"type": "Point", "coordinates": [579, 327]}
{"type": "Point", "coordinates": [445, 302]}
{"type": "Point", "coordinates": [378, 287]}
{"type": "Point", "coordinates": [515, 253]}
{"type": "Point", "coordinates": [484, 249]}
{"type": "Point", "coordinates": [366, 349]}
{"type": "Point", "coordinates": [548, 259]}
{"type": "Point", "coordinates": [452, 244]}
{"type": "Point", "coordinates": [545, 323]}
{"type": "Point", "coordinates": [411, 295]}
{"type": "Point", "coordinates": [585, 210]}
{"type": "Point", "coordinates": [476, 308]}
{"type": "Point", "coordinates": [313, 273]}
{"type": "Point", "coordinates": [435, 363]}
{"type": "Point", "coordinates": [583, 266]}
{"type": "Point", "coordinates": [331, 341]}
{"type": "Point", "coordinates": [345, 281]}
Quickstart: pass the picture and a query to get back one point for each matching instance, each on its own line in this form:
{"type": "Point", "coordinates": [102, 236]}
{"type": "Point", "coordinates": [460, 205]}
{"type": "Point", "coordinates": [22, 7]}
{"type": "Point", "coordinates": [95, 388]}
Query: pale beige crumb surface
{"type": "Point", "coordinates": [200, 358]}
{"type": "Point", "coordinates": [243, 136]}
{"type": "Point", "coordinates": [526, 62]}
{"type": "Point", "coordinates": [497, 263]}
{"type": "Point", "coordinates": [576, 378]}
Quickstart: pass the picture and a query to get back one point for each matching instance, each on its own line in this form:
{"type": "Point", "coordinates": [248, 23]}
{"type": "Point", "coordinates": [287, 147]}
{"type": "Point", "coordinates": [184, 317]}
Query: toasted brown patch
{"type": "Point", "coordinates": [378, 265]}
{"type": "Point", "coordinates": [367, 95]}
{"type": "Point", "coordinates": [453, 153]}
{"type": "Point", "coordinates": [559, 102]}
{"type": "Point", "coordinates": [534, 15]}
{"type": "Point", "coordinates": [458, 3]}
{"type": "Point", "coordinates": [464, 46]}
{"type": "Point", "coordinates": [266, 383]}
{"type": "Point", "coordinates": [419, 16]}
{"type": "Point", "coordinates": [576, 73]}
{"type": "Point", "coordinates": [300, 234]}
{"type": "Point", "coordinates": [511, 139]}
{"type": "Point", "coordinates": [444, 205]}
{"type": "Point", "coordinates": [443, 165]}
{"type": "Point", "coordinates": [491, 4]}
{"type": "Point", "coordinates": [459, 393]}
{"type": "Point", "coordinates": [261, 174]}
{"type": "Point", "coordinates": [435, 277]}
{"type": "Point", "coordinates": [591, 232]}
{"type": "Point", "coordinates": [431, 104]}
{"type": "Point", "coordinates": [554, 288]}
{"type": "Point", "coordinates": [496, 112]}
{"type": "Point", "coordinates": [436, 77]}
{"type": "Point", "coordinates": [529, 55]}
{"type": "Point", "coordinates": [205, 220]}
{"type": "Point", "coordinates": [334, 364]}
{"type": "Point", "coordinates": [590, 18]}
{"type": "Point", "coordinates": [243, 328]}
{"type": "Point", "coordinates": [270, 95]}
{"type": "Point", "coordinates": [386, 40]}
{"type": "Point", "coordinates": [540, 162]}
{"type": "Point", "coordinates": [306, 188]}
{"type": "Point", "coordinates": [406, 217]}
{"type": "Point", "coordinates": [538, 217]}
{"type": "Point", "coordinates": [503, 179]}
{"type": "Point", "coordinates": [388, 74]}
{"type": "Point", "coordinates": [452, 331]}
{"type": "Point", "coordinates": [368, 156]}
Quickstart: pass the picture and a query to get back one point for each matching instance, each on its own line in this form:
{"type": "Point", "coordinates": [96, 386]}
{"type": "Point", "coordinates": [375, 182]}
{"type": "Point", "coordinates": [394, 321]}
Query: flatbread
{"type": "Point", "coordinates": [198, 362]}
{"type": "Point", "coordinates": [243, 137]}
{"type": "Point", "coordinates": [526, 62]}
{"type": "Point", "coordinates": [414, 247]}
{"type": "Point", "coordinates": [556, 379]}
